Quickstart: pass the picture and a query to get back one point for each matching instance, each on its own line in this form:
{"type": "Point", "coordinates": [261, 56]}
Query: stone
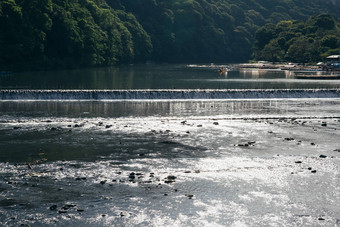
{"type": "Point", "coordinates": [313, 171]}
{"type": "Point", "coordinates": [171, 177]}
{"type": "Point", "coordinates": [324, 124]}
{"type": "Point", "coordinates": [53, 207]}
{"type": "Point", "coordinates": [298, 162]}
{"type": "Point", "coordinates": [322, 156]}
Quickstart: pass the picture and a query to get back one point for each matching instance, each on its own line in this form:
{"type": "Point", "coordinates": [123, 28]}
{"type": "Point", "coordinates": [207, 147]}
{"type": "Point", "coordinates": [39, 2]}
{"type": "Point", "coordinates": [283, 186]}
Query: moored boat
{"type": "Point", "coordinates": [318, 77]}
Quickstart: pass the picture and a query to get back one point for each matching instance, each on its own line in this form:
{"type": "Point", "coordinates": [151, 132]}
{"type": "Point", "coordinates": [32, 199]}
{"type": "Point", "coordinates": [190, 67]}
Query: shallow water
{"type": "Point", "coordinates": [185, 163]}
{"type": "Point", "coordinates": [267, 161]}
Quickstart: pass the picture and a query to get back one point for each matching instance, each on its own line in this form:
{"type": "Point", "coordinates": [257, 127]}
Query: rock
{"type": "Point", "coordinates": [68, 206]}
{"type": "Point", "coordinates": [199, 126]}
{"type": "Point", "coordinates": [16, 127]}
{"type": "Point", "coordinates": [289, 139]}
{"type": "Point", "coordinates": [81, 178]}
{"type": "Point", "coordinates": [313, 144]}
{"type": "Point", "coordinates": [324, 124]}
{"type": "Point", "coordinates": [80, 210]}
{"type": "Point", "coordinates": [187, 171]}
{"type": "Point", "coordinates": [171, 177]}
{"type": "Point", "coordinates": [165, 194]}
{"type": "Point", "coordinates": [298, 162]}
{"type": "Point", "coordinates": [169, 181]}
{"type": "Point", "coordinates": [321, 219]}
{"type": "Point", "coordinates": [108, 126]}
{"type": "Point", "coordinates": [322, 156]}
{"type": "Point", "coordinates": [190, 196]}
{"type": "Point", "coordinates": [62, 211]}
{"type": "Point", "coordinates": [313, 171]}
{"type": "Point", "coordinates": [183, 122]}
{"type": "Point", "coordinates": [53, 207]}
{"type": "Point", "coordinates": [103, 182]}
{"type": "Point", "coordinates": [251, 142]}
{"type": "Point", "coordinates": [309, 168]}
{"type": "Point", "coordinates": [216, 123]}
{"type": "Point", "coordinates": [338, 150]}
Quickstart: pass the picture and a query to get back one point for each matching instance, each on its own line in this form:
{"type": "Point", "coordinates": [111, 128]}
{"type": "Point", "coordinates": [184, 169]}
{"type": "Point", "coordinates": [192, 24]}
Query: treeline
{"type": "Point", "coordinates": [38, 34]}
{"type": "Point", "coordinates": [298, 41]}
{"type": "Point", "coordinates": [214, 31]}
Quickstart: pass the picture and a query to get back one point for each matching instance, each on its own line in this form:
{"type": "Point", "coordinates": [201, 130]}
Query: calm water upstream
{"type": "Point", "coordinates": [169, 145]}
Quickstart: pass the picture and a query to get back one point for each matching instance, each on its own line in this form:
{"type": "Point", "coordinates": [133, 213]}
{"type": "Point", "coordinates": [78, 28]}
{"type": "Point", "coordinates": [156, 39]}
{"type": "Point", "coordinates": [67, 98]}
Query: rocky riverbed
{"type": "Point", "coordinates": [275, 168]}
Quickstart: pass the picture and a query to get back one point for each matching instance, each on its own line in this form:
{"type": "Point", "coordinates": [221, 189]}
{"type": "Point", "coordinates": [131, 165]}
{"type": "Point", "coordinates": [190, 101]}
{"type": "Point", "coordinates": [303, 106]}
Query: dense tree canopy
{"type": "Point", "coordinates": [298, 41]}
{"type": "Point", "coordinates": [36, 34]}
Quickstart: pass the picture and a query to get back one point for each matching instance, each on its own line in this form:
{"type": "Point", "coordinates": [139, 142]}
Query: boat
{"type": "Point", "coordinates": [318, 77]}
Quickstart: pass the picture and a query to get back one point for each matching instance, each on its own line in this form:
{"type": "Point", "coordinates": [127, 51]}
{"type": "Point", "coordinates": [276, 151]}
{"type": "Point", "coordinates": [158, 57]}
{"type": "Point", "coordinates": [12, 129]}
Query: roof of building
{"type": "Point", "coordinates": [333, 57]}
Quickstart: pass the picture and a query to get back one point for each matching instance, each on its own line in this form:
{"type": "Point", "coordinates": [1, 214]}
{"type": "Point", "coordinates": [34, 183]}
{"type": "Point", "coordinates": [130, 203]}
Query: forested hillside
{"type": "Point", "coordinates": [298, 41]}
{"type": "Point", "coordinates": [37, 34]}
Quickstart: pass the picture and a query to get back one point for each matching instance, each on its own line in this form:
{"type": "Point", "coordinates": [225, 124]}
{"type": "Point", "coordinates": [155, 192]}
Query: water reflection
{"type": "Point", "coordinates": [161, 77]}
{"type": "Point", "coordinates": [89, 109]}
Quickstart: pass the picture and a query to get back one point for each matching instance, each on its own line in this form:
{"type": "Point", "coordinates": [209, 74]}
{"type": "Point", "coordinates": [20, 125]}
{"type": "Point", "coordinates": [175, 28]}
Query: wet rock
{"type": "Point", "coordinates": [183, 122]}
{"type": "Point", "coordinates": [62, 211]}
{"type": "Point", "coordinates": [190, 196]}
{"type": "Point", "coordinates": [313, 144]}
{"type": "Point", "coordinates": [338, 150]}
{"type": "Point", "coordinates": [53, 207]}
{"type": "Point", "coordinates": [16, 127]}
{"type": "Point", "coordinates": [80, 210]}
{"type": "Point", "coordinates": [324, 124]}
{"type": "Point", "coordinates": [322, 156]}
{"type": "Point", "coordinates": [81, 178]}
{"type": "Point", "coordinates": [313, 171]}
{"type": "Point", "coordinates": [165, 194]}
{"type": "Point", "coordinates": [103, 182]}
{"type": "Point", "coordinates": [309, 168]}
{"type": "Point", "coordinates": [108, 126]}
{"type": "Point", "coordinates": [187, 171]}
{"type": "Point", "coordinates": [216, 123]}
{"type": "Point", "coordinates": [321, 219]}
{"type": "Point", "coordinates": [53, 129]}
{"type": "Point", "coordinates": [197, 171]}
{"type": "Point", "coordinates": [289, 139]}
{"type": "Point", "coordinates": [171, 177]}
{"type": "Point", "coordinates": [298, 162]}
{"type": "Point", "coordinates": [68, 206]}
{"type": "Point", "coordinates": [169, 181]}
{"type": "Point", "coordinates": [251, 142]}
{"type": "Point", "coordinates": [199, 126]}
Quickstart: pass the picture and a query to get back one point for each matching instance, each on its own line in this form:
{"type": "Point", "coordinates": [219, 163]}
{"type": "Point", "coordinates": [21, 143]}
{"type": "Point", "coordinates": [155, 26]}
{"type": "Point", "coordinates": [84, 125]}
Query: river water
{"type": "Point", "coordinates": [169, 145]}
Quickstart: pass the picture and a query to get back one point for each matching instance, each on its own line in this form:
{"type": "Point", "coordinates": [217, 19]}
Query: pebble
{"type": "Point", "coordinates": [53, 207]}
{"type": "Point", "coordinates": [190, 196]}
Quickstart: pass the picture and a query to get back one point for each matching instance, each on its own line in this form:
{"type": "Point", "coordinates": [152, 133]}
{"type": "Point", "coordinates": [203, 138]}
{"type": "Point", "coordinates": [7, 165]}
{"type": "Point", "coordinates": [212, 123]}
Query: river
{"type": "Point", "coordinates": [169, 145]}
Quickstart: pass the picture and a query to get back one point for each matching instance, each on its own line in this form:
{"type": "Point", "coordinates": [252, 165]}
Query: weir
{"type": "Point", "coordinates": [167, 94]}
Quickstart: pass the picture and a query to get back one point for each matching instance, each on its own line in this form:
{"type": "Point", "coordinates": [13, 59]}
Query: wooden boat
{"type": "Point", "coordinates": [317, 77]}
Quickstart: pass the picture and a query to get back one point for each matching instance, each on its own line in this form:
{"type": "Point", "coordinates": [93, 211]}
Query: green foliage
{"type": "Point", "coordinates": [38, 34]}
{"type": "Point", "coordinates": [298, 41]}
